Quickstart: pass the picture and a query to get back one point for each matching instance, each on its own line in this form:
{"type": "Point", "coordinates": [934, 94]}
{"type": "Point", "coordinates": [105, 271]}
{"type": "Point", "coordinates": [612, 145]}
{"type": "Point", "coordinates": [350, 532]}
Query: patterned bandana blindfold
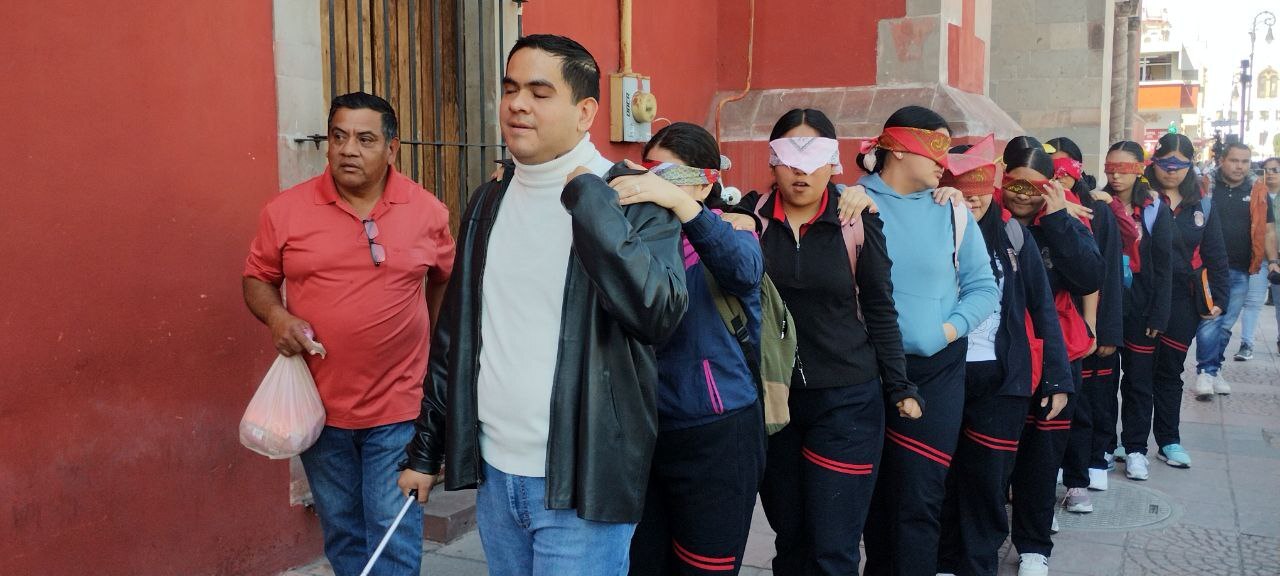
{"type": "Point", "coordinates": [682, 175]}
{"type": "Point", "coordinates": [806, 153]}
{"type": "Point", "coordinates": [1125, 168]}
{"type": "Point", "coordinates": [1171, 163]}
{"type": "Point", "coordinates": [1067, 167]}
{"type": "Point", "coordinates": [977, 182]}
{"type": "Point", "coordinates": [928, 143]}
{"type": "Point", "coordinates": [1024, 187]}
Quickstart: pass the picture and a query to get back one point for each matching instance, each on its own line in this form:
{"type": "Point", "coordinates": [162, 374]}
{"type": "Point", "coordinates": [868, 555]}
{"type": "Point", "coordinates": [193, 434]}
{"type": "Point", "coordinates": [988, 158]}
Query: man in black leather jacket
{"type": "Point", "coordinates": [554, 416]}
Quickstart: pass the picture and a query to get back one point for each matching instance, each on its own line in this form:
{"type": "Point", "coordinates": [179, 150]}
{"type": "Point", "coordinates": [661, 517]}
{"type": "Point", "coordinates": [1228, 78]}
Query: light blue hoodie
{"type": "Point", "coordinates": [927, 289]}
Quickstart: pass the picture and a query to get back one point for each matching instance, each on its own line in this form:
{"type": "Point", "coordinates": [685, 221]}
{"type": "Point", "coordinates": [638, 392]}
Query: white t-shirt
{"type": "Point", "coordinates": [982, 339]}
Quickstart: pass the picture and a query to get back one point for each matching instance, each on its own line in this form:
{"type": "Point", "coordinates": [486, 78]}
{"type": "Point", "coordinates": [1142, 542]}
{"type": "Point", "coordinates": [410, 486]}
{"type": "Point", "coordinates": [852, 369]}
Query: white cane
{"type": "Point", "coordinates": [413, 495]}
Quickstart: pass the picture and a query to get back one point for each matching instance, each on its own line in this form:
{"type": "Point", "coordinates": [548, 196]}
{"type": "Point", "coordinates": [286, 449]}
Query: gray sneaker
{"type": "Point", "coordinates": [1245, 353]}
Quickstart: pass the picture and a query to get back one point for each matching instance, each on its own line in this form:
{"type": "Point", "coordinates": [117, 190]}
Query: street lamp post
{"type": "Point", "coordinates": [1246, 66]}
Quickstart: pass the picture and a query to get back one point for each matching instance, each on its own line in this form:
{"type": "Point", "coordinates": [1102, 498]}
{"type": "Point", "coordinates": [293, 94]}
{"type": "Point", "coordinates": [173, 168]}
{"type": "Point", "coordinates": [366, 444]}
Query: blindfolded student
{"type": "Point", "coordinates": [943, 287]}
{"type": "Point", "coordinates": [1015, 354]}
{"type": "Point", "coordinates": [850, 368]}
{"type": "Point", "coordinates": [1075, 270]}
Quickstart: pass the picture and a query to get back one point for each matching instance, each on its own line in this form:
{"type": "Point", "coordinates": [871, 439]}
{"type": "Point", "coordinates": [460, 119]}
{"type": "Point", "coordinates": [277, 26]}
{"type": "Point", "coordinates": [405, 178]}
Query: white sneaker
{"type": "Point", "coordinates": [1078, 501]}
{"type": "Point", "coordinates": [1033, 565]}
{"type": "Point", "coordinates": [1204, 386]}
{"type": "Point", "coordinates": [1135, 466]}
{"type": "Point", "coordinates": [1220, 386]}
{"type": "Point", "coordinates": [1098, 479]}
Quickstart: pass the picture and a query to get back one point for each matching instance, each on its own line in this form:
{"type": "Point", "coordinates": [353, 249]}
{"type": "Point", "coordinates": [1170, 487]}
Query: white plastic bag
{"type": "Point", "coordinates": [285, 416]}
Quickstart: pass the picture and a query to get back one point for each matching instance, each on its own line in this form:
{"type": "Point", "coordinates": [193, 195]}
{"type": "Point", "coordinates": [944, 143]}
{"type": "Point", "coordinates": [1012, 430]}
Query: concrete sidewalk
{"type": "Point", "coordinates": [1221, 517]}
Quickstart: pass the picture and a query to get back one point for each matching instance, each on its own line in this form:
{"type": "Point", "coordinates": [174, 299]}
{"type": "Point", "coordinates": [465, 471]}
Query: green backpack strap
{"type": "Point", "coordinates": [731, 312]}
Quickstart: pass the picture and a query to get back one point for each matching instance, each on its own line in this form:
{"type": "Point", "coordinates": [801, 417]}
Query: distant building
{"type": "Point", "coordinates": [1169, 88]}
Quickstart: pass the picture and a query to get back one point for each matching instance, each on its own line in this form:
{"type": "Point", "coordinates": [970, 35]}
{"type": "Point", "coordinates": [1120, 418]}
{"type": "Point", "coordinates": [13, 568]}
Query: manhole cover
{"type": "Point", "coordinates": [1123, 507]}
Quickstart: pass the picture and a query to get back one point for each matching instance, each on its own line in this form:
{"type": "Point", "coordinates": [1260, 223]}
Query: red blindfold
{"type": "Point", "coordinates": [972, 172]}
{"type": "Point", "coordinates": [1067, 167]}
{"type": "Point", "coordinates": [928, 143]}
{"type": "Point", "coordinates": [1125, 167]}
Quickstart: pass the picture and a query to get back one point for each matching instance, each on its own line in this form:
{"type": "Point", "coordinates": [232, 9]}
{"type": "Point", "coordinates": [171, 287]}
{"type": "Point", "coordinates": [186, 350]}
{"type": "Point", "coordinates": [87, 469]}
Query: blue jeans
{"type": "Point", "coordinates": [353, 479]}
{"type": "Point", "coordinates": [521, 537]}
{"type": "Point", "coordinates": [1255, 296]}
{"type": "Point", "coordinates": [1213, 335]}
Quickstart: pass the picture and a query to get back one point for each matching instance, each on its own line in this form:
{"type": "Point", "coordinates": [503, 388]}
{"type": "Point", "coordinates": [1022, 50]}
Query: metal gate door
{"type": "Point", "coordinates": [438, 62]}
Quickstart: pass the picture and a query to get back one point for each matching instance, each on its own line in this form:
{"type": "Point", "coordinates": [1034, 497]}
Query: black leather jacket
{"type": "Point", "coordinates": [625, 292]}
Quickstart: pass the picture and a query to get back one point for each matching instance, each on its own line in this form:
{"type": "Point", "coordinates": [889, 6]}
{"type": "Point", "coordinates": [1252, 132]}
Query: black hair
{"type": "Point", "coordinates": [1086, 182]}
{"type": "Point", "coordinates": [1028, 154]}
{"type": "Point", "coordinates": [365, 101]}
{"type": "Point", "coordinates": [577, 65]}
{"type": "Point", "coordinates": [960, 149]}
{"type": "Point", "coordinates": [1236, 145]}
{"type": "Point", "coordinates": [1271, 159]}
{"type": "Point", "coordinates": [1189, 189]}
{"type": "Point", "coordinates": [810, 117]}
{"type": "Point", "coordinates": [693, 145]}
{"type": "Point", "coordinates": [797, 117]}
{"type": "Point", "coordinates": [906, 117]}
{"type": "Point", "coordinates": [1021, 143]}
{"type": "Point", "coordinates": [1140, 193]}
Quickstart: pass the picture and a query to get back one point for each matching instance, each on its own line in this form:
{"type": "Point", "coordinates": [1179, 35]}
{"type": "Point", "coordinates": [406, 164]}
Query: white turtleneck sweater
{"type": "Point", "coordinates": [521, 306]}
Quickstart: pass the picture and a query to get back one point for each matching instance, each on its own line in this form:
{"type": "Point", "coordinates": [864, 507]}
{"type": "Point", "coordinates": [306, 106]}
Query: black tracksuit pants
{"type": "Point", "coordinates": [1090, 411]}
{"type": "Point", "coordinates": [1035, 475]}
{"type": "Point", "coordinates": [1102, 383]}
{"type": "Point", "coordinates": [906, 512]}
{"type": "Point", "coordinates": [974, 522]}
{"type": "Point", "coordinates": [1168, 361]}
{"type": "Point", "coordinates": [1137, 386]}
{"type": "Point", "coordinates": [821, 469]}
{"type": "Point", "coordinates": [702, 492]}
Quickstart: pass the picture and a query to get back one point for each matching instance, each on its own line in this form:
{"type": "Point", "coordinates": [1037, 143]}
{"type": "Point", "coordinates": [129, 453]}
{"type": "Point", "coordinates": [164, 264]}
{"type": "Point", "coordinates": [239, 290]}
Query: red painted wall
{"type": "Point", "coordinates": [693, 49]}
{"type": "Point", "coordinates": [139, 145]}
{"type": "Point", "coordinates": [682, 64]}
{"type": "Point", "coordinates": [803, 43]}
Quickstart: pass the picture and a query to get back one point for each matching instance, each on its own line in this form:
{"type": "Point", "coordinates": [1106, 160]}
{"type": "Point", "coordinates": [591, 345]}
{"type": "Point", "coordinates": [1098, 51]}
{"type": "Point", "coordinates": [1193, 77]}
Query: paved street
{"type": "Point", "coordinates": [1221, 517]}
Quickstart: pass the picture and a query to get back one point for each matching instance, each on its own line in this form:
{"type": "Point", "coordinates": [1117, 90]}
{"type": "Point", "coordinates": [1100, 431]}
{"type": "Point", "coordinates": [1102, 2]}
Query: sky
{"type": "Point", "coordinates": [1218, 34]}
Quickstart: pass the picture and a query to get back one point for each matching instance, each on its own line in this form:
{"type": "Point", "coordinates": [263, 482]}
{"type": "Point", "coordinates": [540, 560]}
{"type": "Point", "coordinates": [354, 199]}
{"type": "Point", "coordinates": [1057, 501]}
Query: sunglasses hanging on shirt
{"type": "Point", "coordinates": [376, 250]}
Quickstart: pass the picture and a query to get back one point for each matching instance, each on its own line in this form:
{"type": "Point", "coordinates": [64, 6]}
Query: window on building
{"type": "Point", "coordinates": [1156, 68]}
{"type": "Point", "coordinates": [1264, 115]}
{"type": "Point", "coordinates": [1269, 83]}
{"type": "Point", "coordinates": [1234, 116]}
{"type": "Point", "coordinates": [1262, 139]}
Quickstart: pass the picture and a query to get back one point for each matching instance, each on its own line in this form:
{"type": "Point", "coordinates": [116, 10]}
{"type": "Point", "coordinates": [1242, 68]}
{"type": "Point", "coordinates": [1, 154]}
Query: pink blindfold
{"type": "Point", "coordinates": [806, 153]}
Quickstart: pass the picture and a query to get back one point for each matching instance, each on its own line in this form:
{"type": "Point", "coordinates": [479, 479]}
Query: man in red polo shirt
{"type": "Point", "coordinates": [367, 254]}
